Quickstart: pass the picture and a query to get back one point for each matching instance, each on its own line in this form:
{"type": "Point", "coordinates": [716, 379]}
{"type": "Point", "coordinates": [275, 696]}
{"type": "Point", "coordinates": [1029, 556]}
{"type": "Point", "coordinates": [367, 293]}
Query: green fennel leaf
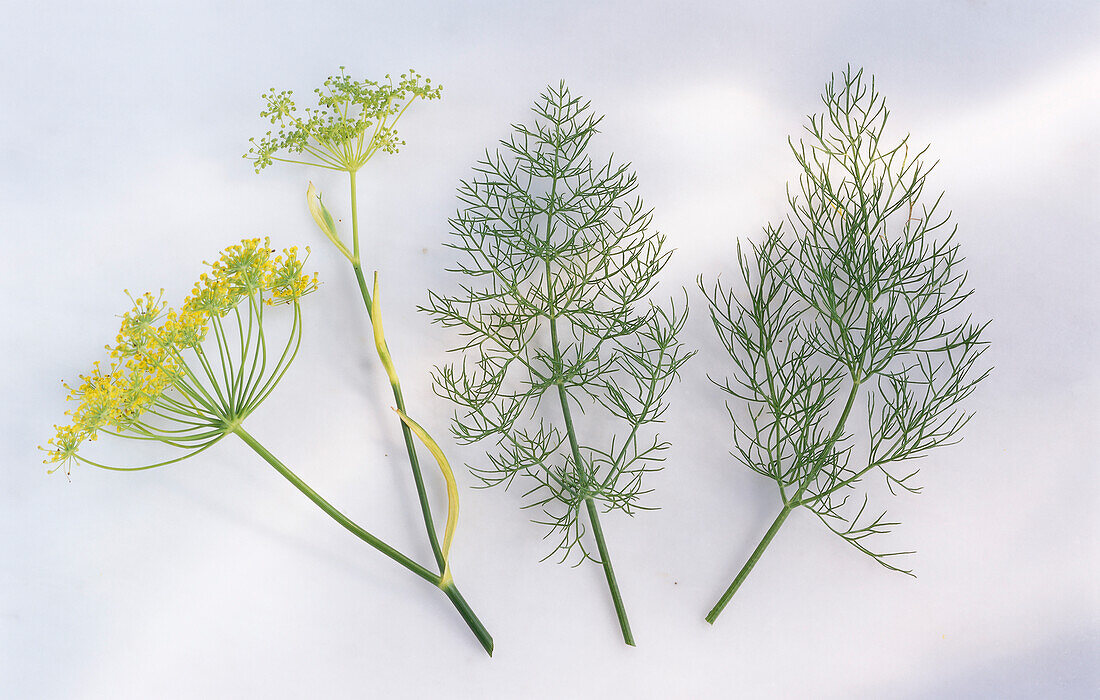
{"type": "Point", "coordinates": [860, 291]}
{"type": "Point", "coordinates": [558, 262]}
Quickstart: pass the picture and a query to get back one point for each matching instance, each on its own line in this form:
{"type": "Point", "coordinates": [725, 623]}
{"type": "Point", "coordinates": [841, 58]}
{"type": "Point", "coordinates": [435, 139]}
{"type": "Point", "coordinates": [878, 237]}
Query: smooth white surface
{"type": "Point", "coordinates": [121, 129]}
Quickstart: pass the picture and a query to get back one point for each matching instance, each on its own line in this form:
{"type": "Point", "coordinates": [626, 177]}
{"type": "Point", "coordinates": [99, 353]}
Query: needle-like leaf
{"type": "Point", "coordinates": [859, 292]}
{"type": "Point", "coordinates": [558, 261]}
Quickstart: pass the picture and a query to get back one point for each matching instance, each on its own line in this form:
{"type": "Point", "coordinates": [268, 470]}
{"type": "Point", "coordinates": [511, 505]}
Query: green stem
{"type": "Point", "coordinates": [449, 588]}
{"type": "Point", "coordinates": [609, 572]}
{"type": "Point", "coordinates": [410, 446]}
{"type": "Point", "coordinates": [837, 432]}
{"type": "Point", "coordinates": [743, 574]}
{"type": "Point", "coordinates": [597, 529]}
{"type": "Point", "coordinates": [468, 615]}
{"type": "Point", "coordinates": [790, 505]}
{"type": "Point", "coordinates": [398, 397]}
{"type": "Point", "coordinates": [563, 396]}
{"type": "Point", "coordinates": [335, 514]}
{"type": "Point", "coordinates": [354, 220]}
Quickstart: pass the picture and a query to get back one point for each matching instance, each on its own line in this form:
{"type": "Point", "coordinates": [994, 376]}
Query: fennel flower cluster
{"type": "Point", "coordinates": [160, 384]}
{"type": "Point", "coordinates": [353, 120]}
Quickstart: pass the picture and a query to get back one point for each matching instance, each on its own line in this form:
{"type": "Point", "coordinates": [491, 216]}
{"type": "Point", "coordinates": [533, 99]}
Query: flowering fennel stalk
{"type": "Point", "coordinates": [165, 383]}
{"type": "Point", "coordinates": [188, 378]}
{"type": "Point", "coordinates": [557, 261]}
{"type": "Point", "coordinates": [352, 122]}
{"type": "Point", "coordinates": [862, 294]}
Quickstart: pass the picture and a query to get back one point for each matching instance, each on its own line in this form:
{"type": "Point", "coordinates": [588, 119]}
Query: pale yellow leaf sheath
{"type": "Point", "coordinates": [324, 220]}
{"type": "Point", "coordinates": [452, 492]}
{"type": "Point", "coordinates": [431, 444]}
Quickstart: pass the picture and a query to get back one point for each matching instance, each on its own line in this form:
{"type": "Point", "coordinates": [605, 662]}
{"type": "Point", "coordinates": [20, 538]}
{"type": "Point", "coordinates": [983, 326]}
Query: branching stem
{"type": "Point", "coordinates": [593, 515]}
{"type": "Point", "coordinates": [782, 517]}
{"type": "Point", "coordinates": [333, 512]}
{"type": "Point", "coordinates": [574, 445]}
{"type": "Point", "coordinates": [354, 528]}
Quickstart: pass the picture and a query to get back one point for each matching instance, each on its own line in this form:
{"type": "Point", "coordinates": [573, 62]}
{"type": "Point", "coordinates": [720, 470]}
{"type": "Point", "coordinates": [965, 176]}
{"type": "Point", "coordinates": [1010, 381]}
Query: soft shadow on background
{"type": "Point", "coordinates": [121, 132]}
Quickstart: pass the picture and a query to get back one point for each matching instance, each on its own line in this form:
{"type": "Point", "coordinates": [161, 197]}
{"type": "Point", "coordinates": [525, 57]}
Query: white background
{"type": "Point", "coordinates": [121, 132]}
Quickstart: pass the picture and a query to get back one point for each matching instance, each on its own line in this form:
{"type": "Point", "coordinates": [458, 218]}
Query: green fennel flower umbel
{"type": "Point", "coordinates": [859, 293]}
{"type": "Point", "coordinates": [557, 261]}
{"type": "Point", "coordinates": [353, 121]}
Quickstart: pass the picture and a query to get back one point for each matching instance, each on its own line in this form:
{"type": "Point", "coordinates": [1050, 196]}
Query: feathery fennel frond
{"type": "Point", "coordinates": [558, 260]}
{"type": "Point", "coordinates": [860, 291]}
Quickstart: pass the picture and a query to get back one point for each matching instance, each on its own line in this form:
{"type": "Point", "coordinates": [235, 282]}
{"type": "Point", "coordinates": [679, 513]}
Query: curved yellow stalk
{"type": "Point", "coordinates": [432, 445]}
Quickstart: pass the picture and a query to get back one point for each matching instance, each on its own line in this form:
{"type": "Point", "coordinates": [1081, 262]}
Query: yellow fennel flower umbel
{"type": "Point", "coordinates": [186, 377]}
